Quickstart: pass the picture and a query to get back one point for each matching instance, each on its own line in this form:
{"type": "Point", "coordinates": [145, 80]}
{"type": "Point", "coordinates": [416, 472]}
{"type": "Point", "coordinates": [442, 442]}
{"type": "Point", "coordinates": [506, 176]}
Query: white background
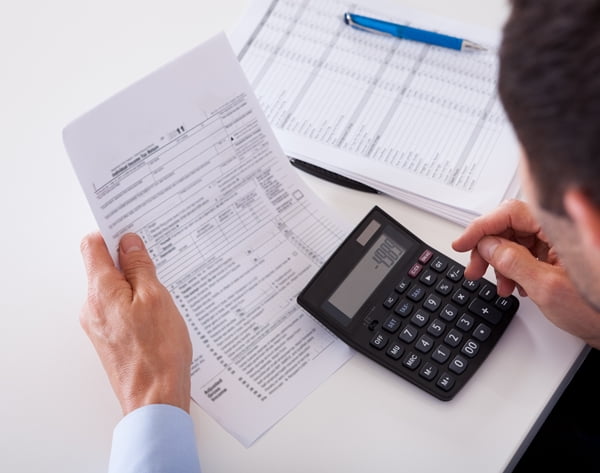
{"type": "Point", "coordinates": [57, 410]}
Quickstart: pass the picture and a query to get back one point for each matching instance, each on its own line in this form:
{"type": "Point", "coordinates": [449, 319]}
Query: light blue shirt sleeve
{"type": "Point", "coordinates": [158, 438]}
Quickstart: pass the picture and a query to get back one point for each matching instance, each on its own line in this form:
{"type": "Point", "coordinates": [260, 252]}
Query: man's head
{"type": "Point", "coordinates": [550, 86]}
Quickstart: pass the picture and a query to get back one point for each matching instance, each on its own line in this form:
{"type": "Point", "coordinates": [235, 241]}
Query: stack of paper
{"type": "Point", "coordinates": [418, 122]}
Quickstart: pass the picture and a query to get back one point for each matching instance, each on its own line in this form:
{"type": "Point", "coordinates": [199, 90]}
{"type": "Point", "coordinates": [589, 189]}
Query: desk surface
{"type": "Point", "coordinates": [61, 58]}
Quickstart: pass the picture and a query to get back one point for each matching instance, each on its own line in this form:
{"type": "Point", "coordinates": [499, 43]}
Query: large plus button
{"type": "Point", "coordinates": [480, 307]}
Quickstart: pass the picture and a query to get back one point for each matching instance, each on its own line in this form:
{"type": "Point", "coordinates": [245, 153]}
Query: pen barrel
{"type": "Point", "coordinates": [403, 31]}
{"type": "Point", "coordinates": [429, 37]}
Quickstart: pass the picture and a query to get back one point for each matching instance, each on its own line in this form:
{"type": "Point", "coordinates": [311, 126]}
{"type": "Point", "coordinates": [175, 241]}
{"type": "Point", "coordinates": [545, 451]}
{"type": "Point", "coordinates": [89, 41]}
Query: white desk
{"type": "Point", "coordinates": [57, 410]}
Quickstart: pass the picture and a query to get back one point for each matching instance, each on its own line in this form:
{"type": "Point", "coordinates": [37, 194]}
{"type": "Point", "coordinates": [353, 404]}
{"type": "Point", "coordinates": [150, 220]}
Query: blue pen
{"type": "Point", "coordinates": [373, 25]}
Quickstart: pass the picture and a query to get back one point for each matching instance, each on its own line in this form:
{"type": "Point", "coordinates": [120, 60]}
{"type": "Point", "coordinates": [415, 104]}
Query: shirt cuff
{"type": "Point", "coordinates": [156, 438]}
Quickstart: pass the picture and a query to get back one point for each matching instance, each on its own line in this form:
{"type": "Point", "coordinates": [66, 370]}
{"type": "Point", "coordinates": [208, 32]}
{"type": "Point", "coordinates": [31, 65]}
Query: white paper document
{"type": "Point", "coordinates": [186, 159]}
{"type": "Point", "coordinates": [418, 122]}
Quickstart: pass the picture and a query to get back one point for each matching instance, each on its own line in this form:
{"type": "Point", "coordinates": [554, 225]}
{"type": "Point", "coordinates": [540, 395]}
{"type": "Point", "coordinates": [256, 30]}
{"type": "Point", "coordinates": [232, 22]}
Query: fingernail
{"type": "Point", "coordinates": [487, 246]}
{"type": "Point", "coordinates": [131, 242]}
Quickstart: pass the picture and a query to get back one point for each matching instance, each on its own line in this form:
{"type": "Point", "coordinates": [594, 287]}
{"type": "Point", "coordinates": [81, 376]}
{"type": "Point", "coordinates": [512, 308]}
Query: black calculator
{"type": "Point", "coordinates": [407, 306]}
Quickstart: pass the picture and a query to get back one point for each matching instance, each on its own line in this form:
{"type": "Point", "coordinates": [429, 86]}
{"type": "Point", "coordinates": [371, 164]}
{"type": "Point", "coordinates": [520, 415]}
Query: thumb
{"type": "Point", "coordinates": [510, 260]}
{"type": "Point", "coordinates": [135, 262]}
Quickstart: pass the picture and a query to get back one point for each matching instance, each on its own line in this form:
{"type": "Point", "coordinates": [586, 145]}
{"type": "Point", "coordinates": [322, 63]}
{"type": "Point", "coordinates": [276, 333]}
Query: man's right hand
{"type": "Point", "coordinates": [510, 240]}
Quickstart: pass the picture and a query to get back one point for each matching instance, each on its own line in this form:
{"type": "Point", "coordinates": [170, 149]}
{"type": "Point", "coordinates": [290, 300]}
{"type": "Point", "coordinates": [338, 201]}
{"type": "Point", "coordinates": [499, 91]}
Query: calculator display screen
{"type": "Point", "coordinates": [371, 269]}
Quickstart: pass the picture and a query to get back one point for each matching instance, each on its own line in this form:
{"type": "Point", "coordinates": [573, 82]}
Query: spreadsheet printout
{"type": "Point", "coordinates": [186, 159]}
{"type": "Point", "coordinates": [410, 119]}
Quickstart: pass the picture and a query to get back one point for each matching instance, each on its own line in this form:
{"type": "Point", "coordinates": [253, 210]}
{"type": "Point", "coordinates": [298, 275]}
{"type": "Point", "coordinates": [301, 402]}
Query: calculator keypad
{"type": "Point", "coordinates": [438, 326]}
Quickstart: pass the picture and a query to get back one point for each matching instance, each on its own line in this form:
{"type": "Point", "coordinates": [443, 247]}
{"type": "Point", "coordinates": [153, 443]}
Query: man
{"type": "Point", "coordinates": [550, 87]}
{"type": "Point", "coordinates": [550, 250]}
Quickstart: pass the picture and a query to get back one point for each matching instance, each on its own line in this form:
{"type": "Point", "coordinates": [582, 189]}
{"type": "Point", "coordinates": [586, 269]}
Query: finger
{"type": "Point", "coordinates": [513, 263]}
{"type": "Point", "coordinates": [522, 292]}
{"type": "Point", "coordinates": [135, 262]}
{"type": "Point", "coordinates": [504, 285]}
{"type": "Point", "coordinates": [101, 276]}
{"type": "Point", "coordinates": [512, 215]}
{"type": "Point", "coordinates": [96, 258]}
{"type": "Point", "coordinates": [477, 266]}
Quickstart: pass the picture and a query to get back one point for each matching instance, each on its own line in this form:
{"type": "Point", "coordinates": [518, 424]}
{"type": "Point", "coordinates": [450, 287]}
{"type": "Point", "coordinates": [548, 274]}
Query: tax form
{"type": "Point", "coordinates": [418, 122]}
{"type": "Point", "coordinates": [186, 159]}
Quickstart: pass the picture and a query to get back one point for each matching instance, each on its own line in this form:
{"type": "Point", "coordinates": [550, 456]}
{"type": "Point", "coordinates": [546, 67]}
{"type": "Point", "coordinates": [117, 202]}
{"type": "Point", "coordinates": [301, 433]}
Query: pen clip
{"type": "Point", "coordinates": [349, 20]}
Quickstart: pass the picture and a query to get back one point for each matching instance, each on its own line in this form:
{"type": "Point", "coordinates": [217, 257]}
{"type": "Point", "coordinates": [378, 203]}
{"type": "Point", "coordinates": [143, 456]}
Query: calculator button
{"type": "Point", "coordinates": [402, 286]}
{"type": "Point", "coordinates": [428, 278]}
{"type": "Point", "coordinates": [424, 344]}
{"type": "Point", "coordinates": [455, 273]}
{"type": "Point", "coordinates": [458, 364]}
{"type": "Point", "coordinates": [444, 287]}
{"type": "Point", "coordinates": [439, 264]}
{"type": "Point", "coordinates": [420, 318]}
{"type": "Point", "coordinates": [471, 348]}
{"type": "Point", "coordinates": [446, 381]}
{"type": "Point", "coordinates": [487, 293]}
{"type": "Point", "coordinates": [449, 312]}
{"type": "Point", "coordinates": [379, 341]}
{"type": "Point", "coordinates": [460, 296]}
{"type": "Point", "coordinates": [404, 308]}
{"type": "Point", "coordinates": [395, 351]}
{"type": "Point", "coordinates": [470, 285]}
{"type": "Point", "coordinates": [432, 303]}
{"type": "Point", "coordinates": [415, 270]}
{"type": "Point", "coordinates": [441, 354]}
{"type": "Point", "coordinates": [479, 307]}
{"type": "Point", "coordinates": [465, 322]}
{"type": "Point", "coordinates": [416, 293]}
{"type": "Point", "coordinates": [453, 338]}
{"type": "Point", "coordinates": [408, 334]}
{"type": "Point", "coordinates": [436, 328]}
{"type": "Point", "coordinates": [425, 256]}
{"type": "Point", "coordinates": [503, 303]}
{"type": "Point", "coordinates": [482, 332]}
{"type": "Point", "coordinates": [390, 301]}
{"type": "Point", "coordinates": [391, 324]}
{"type": "Point", "coordinates": [428, 371]}
{"type": "Point", "coordinates": [412, 361]}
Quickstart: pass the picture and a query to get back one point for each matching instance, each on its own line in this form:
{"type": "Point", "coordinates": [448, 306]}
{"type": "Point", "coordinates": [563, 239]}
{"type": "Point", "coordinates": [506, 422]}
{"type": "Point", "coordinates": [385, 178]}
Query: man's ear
{"type": "Point", "coordinates": [585, 216]}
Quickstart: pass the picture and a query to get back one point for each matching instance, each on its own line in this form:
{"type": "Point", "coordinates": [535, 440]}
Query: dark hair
{"type": "Point", "coordinates": [550, 87]}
